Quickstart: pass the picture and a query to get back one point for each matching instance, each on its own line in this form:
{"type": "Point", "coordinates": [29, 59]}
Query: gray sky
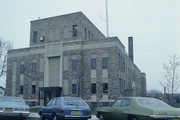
{"type": "Point", "coordinates": [154, 24]}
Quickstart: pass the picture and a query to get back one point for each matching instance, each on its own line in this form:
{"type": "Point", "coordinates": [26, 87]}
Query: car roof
{"type": "Point", "coordinates": [138, 97]}
{"type": "Point", "coordinates": [10, 97]}
{"type": "Point", "coordinates": [67, 97]}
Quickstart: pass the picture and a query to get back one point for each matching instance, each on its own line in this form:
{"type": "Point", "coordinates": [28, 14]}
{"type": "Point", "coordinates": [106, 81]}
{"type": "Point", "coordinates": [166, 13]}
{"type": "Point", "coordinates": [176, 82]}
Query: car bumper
{"type": "Point", "coordinates": [67, 117]}
{"type": "Point", "coordinates": [169, 117]}
{"type": "Point", "coordinates": [14, 114]}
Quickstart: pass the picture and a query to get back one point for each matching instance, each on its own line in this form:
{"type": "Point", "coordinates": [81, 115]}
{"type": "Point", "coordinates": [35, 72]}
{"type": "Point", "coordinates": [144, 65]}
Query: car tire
{"type": "Point", "coordinates": [133, 118]}
{"type": "Point", "coordinates": [54, 117]}
{"type": "Point", "coordinates": [101, 117]}
{"type": "Point", "coordinates": [42, 117]}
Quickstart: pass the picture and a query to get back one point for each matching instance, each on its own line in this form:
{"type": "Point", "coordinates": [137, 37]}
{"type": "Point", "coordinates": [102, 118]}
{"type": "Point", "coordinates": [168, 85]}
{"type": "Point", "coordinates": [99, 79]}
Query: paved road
{"type": "Point", "coordinates": [35, 116]}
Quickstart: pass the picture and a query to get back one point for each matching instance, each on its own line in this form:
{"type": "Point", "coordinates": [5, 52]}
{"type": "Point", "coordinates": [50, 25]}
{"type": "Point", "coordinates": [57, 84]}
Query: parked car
{"type": "Point", "coordinates": [65, 108]}
{"type": "Point", "coordinates": [138, 108]}
{"type": "Point", "coordinates": [13, 107]}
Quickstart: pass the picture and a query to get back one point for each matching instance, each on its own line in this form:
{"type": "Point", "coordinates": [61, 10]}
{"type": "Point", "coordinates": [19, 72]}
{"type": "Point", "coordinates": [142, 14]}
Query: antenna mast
{"type": "Point", "coordinates": [107, 24]}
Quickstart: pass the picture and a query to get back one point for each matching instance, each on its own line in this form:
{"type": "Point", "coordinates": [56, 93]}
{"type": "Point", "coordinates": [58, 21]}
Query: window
{"type": "Point", "coordinates": [74, 64]}
{"type": "Point", "coordinates": [22, 69]}
{"type": "Point", "coordinates": [85, 34]}
{"type": "Point", "coordinates": [93, 88]}
{"type": "Point", "coordinates": [33, 89]}
{"type": "Point", "coordinates": [89, 35]}
{"type": "Point", "coordinates": [33, 67]}
{"type": "Point", "coordinates": [125, 102]}
{"type": "Point", "coordinates": [105, 63]}
{"type": "Point", "coordinates": [52, 102]}
{"type": "Point", "coordinates": [74, 88]}
{"type": "Point", "coordinates": [122, 85]}
{"type": "Point", "coordinates": [35, 36]}
{"type": "Point", "coordinates": [58, 102]}
{"type": "Point", "coordinates": [92, 36]}
{"type": "Point", "coordinates": [74, 30]}
{"type": "Point", "coordinates": [117, 103]}
{"type": "Point", "coordinates": [21, 89]}
{"type": "Point", "coordinates": [41, 38]}
{"type": "Point", "coordinates": [105, 87]}
{"type": "Point", "coordinates": [93, 63]}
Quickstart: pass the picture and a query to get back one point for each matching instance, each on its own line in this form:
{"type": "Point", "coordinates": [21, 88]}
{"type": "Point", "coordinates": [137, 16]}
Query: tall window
{"type": "Point", "coordinates": [105, 63]}
{"type": "Point", "coordinates": [93, 63]}
{"type": "Point", "coordinates": [122, 85]}
{"type": "Point", "coordinates": [105, 87]}
{"type": "Point", "coordinates": [35, 37]}
{"type": "Point", "coordinates": [74, 64]}
{"type": "Point", "coordinates": [21, 89]}
{"type": "Point", "coordinates": [89, 35]}
{"type": "Point", "coordinates": [74, 30]}
{"type": "Point", "coordinates": [22, 69]}
{"type": "Point", "coordinates": [93, 88]}
{"type": "Point", "coordinates": [74, 88]}
{"type": "Point", "coordinates": [33, 67]}
{"type": "Point", "coordinates": [85, 34]}
{"type": "Point", "coordinates": [92, 36]}
{"type": "Point", "coordinates": [33, 89]}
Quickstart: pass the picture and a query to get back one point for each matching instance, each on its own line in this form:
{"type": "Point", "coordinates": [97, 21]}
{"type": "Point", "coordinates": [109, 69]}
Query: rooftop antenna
{"type": "Point", "coordinates": [107, 24]}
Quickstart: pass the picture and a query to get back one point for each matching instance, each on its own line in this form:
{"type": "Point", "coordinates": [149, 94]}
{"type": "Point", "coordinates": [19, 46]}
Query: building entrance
{"type": "Point", "coordinates": [46, 93]}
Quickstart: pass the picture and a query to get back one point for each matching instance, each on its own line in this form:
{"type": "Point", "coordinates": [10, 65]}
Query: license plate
{"type": "Point", "coordinates": [75, 112]}
{"type": "Point", "coordinates": [8, 109]}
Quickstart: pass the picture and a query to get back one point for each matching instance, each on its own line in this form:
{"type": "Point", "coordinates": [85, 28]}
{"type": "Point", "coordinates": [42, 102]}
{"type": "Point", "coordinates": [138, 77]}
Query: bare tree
{"type": "Point", "coordinates": [4, 46]}
{"type": "Point", "coordinates": [172, 81]}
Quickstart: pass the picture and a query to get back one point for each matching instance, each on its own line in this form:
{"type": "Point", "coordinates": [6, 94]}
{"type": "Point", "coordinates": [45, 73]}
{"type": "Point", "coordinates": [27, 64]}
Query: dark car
{"type": "Point", "coordinates": [61, 108]}
{"type": "Point", "coordinates": [13, 107]}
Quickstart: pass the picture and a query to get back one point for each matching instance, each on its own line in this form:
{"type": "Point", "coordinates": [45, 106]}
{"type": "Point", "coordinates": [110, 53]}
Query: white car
{"type": "Point", "coordinates": [13, 107]}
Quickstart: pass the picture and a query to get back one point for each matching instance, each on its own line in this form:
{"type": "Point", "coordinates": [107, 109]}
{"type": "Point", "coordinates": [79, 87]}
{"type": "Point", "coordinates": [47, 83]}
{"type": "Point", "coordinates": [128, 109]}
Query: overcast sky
{"type": "Point", "coordinates": [154, 24]}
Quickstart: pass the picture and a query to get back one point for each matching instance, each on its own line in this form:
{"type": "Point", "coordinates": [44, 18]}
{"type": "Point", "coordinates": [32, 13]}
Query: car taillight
{"type": "Point", "coordinates": [62, 111]}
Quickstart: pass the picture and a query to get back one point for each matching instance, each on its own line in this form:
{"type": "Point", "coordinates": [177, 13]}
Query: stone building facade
{"type": "Point", "coordinates": [69, 56]}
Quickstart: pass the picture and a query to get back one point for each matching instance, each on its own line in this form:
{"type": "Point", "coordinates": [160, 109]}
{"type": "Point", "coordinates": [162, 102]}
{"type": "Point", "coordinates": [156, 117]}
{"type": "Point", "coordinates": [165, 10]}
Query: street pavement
{"type": "Point", "coordinates": [35, 116]}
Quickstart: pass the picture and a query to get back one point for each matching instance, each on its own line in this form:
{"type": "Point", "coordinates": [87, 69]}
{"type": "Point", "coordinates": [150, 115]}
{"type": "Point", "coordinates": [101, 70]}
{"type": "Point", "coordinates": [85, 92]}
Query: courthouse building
{"type": "Point", "coordinates": [69, 56]}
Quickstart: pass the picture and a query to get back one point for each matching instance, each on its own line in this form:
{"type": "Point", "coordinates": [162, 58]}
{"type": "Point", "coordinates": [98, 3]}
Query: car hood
{"type": "Point", "coordinates": [13, 105]}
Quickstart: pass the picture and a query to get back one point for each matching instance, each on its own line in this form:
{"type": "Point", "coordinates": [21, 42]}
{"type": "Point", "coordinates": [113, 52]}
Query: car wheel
{"type": "Point", "coordinates": [55, 117]}
{"type": "Point", "coordinates": [101, 117]}
{"type": "Point", "coordinates": [42, 117]}
{"type": "Point", "coordinates": [133, 118]}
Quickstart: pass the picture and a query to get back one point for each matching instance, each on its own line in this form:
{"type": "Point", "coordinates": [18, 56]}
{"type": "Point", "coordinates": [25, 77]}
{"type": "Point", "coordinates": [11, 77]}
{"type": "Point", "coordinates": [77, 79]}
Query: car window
{"type": "Point", "coordinates": [152, 102]}
{"type": "Point", "coordinates": [73, 102]}
{"type": "Point", "coordinates": [117, 103]}
{"type": "Point", "coordinates": [53, 102]}
{"type": "Point", "coordinates": [49, 103]}
{"type": "Point", "coordinates": [125, 102]}
{"type": "Point", "coordinates": [58, 102]}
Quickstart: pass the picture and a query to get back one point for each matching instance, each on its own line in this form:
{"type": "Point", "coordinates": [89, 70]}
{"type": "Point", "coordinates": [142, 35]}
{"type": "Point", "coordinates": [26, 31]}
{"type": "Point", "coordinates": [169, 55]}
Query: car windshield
{"type": "Point", "coordinates": [153, 102]}
{"type": "Point", "coordinates": [73, 102]}
{"type": "Point", "coordinates": [6, 99]}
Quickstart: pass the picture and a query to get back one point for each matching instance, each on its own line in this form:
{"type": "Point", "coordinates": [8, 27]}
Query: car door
{"type": "Point", "coordinates": [115, 108]}
{"type": "Point", "coordinates": [49, 107]}
{"type": "Point", "coordinates": [121, 108]}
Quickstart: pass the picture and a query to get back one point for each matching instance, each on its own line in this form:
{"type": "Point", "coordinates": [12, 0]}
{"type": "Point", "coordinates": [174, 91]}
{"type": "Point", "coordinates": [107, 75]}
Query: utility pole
{"type": "Point", "coordinates": [107, 22]}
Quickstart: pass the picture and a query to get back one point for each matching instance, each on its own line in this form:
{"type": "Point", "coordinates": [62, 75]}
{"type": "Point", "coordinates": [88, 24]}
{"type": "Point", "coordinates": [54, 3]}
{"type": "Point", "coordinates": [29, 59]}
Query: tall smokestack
{"type": "Point", "coordinates": [130, 48]}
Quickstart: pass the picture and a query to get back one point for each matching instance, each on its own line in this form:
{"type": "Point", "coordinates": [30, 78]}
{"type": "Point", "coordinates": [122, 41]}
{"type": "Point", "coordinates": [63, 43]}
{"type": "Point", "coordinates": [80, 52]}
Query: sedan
{"type": "Point", "coordinates": [13, 107]}
{"type": "Point", "coordinates": [61, 108]}
{"type": "Point", "coordinates": [138, 108]}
